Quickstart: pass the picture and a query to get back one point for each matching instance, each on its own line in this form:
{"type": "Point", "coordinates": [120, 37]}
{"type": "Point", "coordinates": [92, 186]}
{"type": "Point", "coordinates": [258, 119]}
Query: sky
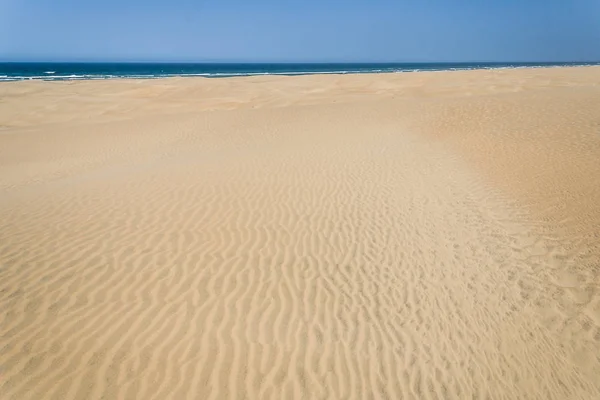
{"type": "Point", "coordinates": [300, 30]}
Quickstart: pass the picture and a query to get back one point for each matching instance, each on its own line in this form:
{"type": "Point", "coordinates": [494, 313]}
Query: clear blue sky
{"type": "Point", "coordinates": [300, 30]}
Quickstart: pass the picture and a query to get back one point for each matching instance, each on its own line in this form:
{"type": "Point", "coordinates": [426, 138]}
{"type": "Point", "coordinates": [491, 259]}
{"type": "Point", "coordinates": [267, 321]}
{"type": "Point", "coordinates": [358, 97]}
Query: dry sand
{"type": "Point", "coordinates": [416, 236]}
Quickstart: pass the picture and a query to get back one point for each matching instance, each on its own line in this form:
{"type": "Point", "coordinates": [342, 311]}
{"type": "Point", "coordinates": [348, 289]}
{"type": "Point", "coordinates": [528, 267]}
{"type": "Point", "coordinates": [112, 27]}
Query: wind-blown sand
{"type": "Point", "coordinates": [416, 236]}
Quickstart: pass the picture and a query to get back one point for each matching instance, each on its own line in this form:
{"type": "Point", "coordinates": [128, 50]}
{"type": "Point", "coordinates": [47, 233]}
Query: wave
{"type": "Point", "coordinates": [173, 75]}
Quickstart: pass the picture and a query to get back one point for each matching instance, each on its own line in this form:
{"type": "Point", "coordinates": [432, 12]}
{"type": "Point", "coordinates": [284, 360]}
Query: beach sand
{"type": "Point", "coordinates": [389, 236]}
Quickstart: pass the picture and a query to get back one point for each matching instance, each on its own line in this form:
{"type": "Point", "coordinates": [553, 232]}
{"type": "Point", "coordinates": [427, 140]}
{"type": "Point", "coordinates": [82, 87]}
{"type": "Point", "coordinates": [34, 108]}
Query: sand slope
{"type": "Point", "coordinates": [418, 236]}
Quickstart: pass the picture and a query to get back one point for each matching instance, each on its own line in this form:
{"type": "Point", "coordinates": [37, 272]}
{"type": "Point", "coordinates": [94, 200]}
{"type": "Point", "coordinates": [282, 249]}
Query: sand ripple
{"type": "Point", "coordinates": [303, 252]}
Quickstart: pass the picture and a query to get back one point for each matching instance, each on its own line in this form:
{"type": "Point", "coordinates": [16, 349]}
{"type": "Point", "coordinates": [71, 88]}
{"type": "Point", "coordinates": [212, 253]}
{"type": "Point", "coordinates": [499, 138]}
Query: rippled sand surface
{"type": "Point", "coordinates": [419, 236]}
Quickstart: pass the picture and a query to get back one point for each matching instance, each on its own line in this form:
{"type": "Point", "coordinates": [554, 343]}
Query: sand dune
{"type": "Point", "coordinates": [417, 236]}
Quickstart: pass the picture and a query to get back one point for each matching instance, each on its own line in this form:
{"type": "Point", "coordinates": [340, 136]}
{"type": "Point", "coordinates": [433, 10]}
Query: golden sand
{"type": "Point", "coordinates": [390, 236]}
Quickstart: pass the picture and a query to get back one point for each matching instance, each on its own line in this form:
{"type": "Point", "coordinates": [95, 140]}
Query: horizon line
{"type": "Point", "coordinates": [287, 62]}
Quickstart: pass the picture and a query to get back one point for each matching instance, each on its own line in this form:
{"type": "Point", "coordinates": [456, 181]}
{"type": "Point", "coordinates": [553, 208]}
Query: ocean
{"type": "Point", "coordinates": [15, 71]}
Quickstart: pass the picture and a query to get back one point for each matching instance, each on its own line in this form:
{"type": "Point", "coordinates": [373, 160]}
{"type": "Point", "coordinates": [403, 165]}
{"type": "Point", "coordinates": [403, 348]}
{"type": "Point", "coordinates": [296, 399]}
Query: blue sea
{"type": "Point", "coordinates": [15, 71]}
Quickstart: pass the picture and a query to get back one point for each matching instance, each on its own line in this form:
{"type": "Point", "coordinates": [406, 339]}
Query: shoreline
{"type": "Point", "coordinates": [221, 75]}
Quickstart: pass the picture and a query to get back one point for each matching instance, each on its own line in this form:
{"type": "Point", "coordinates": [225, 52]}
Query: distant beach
{"type": "Point", "coordinates": [336, 235]}
{"type": "Point", "coordinates": [93, 71]}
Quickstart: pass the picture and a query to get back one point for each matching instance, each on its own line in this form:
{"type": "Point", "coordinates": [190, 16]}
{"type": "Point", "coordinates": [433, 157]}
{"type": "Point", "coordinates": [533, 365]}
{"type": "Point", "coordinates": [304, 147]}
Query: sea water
{"type": "Point", "coordinates": [13, 71]}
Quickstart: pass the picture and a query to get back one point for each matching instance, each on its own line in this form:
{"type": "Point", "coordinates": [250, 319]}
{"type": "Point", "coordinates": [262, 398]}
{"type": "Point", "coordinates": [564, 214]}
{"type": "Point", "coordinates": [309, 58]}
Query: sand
{"type": "Point", "coordinates": [389, 236]}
